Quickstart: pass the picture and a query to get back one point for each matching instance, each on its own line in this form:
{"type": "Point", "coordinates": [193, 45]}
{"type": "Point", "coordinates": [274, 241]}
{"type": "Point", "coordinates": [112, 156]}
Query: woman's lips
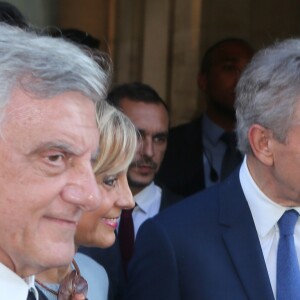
{"type": "Point", "coordinates": [111, 222]}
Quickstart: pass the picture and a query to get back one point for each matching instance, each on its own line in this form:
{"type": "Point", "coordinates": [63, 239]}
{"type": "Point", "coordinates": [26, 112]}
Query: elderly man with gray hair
{"type": "Point", "coordinates": [241, 238]}
{"type": "Point", "coordinates": [49, 139]}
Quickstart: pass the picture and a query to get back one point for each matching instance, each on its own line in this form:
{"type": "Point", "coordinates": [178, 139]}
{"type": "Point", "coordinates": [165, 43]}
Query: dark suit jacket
{"type": "Point", "coordinates": [182, 169]}
{"type": "Point", "coordinates": [205, 247]}
{"type": "Point", "coordinates": [110, 258]}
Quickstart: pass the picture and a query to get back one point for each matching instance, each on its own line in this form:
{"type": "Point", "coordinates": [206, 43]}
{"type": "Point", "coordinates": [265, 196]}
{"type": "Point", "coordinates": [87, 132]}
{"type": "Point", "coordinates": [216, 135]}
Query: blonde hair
{"type": "Point", "coordinates": [118, 140]}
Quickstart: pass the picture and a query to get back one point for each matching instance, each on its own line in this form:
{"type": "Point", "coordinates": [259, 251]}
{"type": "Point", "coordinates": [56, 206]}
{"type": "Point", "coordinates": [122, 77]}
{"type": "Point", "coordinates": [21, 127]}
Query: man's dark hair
{"type": "Point", "coordinates": [135, 91]}
{"type": "Point", "coordinates": [207, 57]}
{"type": "Point", "coordinates": [77, 36]}
{"type": "Point", "coordinates": [9, 14]}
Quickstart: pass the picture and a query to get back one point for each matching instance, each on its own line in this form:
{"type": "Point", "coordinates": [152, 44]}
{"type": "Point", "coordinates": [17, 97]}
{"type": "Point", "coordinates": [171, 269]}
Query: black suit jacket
{"type": "Point", "coordinates": [110, 258]}
{"type": "Point", "coordinates": [182, 169]}
{"type": "Point", "coordinates": [205, 247]}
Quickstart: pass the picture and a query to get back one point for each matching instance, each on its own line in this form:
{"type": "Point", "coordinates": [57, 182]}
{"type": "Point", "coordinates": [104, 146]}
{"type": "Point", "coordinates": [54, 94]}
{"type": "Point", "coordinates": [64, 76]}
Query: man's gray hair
{"type": "Point", "coordinates": [45, 67]}
{"type": "Point", "coordinates": [268, 91]}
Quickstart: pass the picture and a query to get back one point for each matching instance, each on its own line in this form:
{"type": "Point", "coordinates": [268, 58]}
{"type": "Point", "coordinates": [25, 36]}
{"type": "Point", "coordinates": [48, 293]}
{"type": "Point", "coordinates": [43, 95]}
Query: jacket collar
{"type": "Point", "coordinates": [240, 238]}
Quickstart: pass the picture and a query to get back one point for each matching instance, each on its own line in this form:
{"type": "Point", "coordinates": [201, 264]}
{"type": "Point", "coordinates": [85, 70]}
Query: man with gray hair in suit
{"type": "Point", "coordinates": [49, 138]}
{"type": "Point", "coordinates": [241, 238]}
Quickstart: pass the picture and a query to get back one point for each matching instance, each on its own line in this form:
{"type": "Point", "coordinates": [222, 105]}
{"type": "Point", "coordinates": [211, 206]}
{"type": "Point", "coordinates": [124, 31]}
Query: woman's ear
{"type": "Point", "coordinates": [260, 139]}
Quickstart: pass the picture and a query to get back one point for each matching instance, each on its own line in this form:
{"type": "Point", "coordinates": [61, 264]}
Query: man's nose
{"type": "Point", "coordinates": [82, 188]}
{"type": "Point", "coordinates": [147, 148]}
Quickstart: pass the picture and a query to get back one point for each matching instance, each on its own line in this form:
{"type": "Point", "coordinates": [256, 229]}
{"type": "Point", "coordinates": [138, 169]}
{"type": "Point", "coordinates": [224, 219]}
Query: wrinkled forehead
{"type": "Point", "coordinates": [25, 106]}
{"type": "Point", "coordinates": [70, 114]}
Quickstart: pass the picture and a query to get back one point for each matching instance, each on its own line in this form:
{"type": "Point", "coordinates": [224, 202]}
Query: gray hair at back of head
{"type": "Point", "coordinates": [118, 140]}
{"type": "Point", "coordinates": [45, 67]}
{"type": "Point", "coordinates": [268, 91]}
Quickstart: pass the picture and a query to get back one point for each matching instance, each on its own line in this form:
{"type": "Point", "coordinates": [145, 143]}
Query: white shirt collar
{"type": "Point", "coordinates": [143, 198]}
{"type": "Point", "coordinates": [259, 203]}
{"type": "Point", "coordinates": [13, 286]}
{"type": "Point", "coordinates": [31, 285]}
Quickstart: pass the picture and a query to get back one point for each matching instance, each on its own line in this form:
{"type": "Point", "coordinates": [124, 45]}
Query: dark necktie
{"type": "Point", "coordinates": [288, 274]}
{"type": "Point", "coordinates": [31, 295]}
{"type": "Point", "coordinates": [126, 237]}
{"type": "Point", "coordinates": [232, 157]}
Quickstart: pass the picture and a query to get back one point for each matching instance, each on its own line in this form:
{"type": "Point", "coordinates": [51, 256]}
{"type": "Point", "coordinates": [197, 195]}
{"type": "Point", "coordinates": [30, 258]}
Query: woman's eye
{"type": "Point", "coordinates": [110, 181]}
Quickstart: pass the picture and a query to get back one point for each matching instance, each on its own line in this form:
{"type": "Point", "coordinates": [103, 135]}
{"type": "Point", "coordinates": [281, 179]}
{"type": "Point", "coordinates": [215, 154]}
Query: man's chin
{"type": "Point", "coordinates": [61, 252]}
{"type": "Point", "coordinates": [135, 183]}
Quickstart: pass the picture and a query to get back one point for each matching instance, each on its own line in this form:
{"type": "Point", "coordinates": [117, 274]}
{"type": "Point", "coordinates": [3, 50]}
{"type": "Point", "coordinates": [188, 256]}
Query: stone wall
{"type": "Point", "coordinates": [160, 42]}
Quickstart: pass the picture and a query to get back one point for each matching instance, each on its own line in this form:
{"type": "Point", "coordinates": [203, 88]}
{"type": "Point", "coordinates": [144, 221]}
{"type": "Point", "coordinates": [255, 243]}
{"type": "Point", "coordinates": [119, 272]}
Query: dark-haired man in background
{"type": "Point", "coordinates": [148, 112]}
{"type": "Point", "coordinates": [203, 152]}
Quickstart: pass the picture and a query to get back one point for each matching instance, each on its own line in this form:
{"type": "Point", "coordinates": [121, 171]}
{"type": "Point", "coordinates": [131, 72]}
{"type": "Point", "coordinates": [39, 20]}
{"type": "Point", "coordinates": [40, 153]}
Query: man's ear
{"type": "Point", "coordinates": [260, 140]}
{"type": "Point", "coordinates": [202, 82]}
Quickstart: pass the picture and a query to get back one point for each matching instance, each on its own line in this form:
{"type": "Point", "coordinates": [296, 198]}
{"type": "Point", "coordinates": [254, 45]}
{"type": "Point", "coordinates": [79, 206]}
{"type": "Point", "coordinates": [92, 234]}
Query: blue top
{"type": "Point", "coordinates": [93, 273]}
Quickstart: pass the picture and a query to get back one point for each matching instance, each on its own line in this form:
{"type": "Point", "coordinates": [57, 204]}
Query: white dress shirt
{"type": "Point", "coordinates": [266, 214]}
{"type": "Point", "coordinates": [13, 286]}
{"type": "Point", "coordinates": [147, 205]}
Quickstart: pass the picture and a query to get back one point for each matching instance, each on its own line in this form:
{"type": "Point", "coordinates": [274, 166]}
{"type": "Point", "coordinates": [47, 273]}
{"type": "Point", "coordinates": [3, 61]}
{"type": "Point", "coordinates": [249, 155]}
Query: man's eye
{"type": "Point", "coordinates": [160, 139]}
{"type": "Point", "coordinates": [55, 158]}
{"type": "Point", "coordinates": [55, 161]}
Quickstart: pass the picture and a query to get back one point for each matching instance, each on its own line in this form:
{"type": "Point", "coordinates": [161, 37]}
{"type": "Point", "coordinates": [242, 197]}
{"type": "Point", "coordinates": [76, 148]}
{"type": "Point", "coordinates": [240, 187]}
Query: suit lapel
{"type": "Point", "coordinates": [241, 240]}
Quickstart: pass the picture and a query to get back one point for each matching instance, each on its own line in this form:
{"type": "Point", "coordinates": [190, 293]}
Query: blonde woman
{"type": "Point", "coordinates": [96, 228]}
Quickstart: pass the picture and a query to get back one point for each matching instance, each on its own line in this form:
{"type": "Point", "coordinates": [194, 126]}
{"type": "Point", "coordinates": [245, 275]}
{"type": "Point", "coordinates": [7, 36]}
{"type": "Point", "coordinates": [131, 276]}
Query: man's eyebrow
{"type": "Point", "coordinates": [166, 132]}
{"type": "Point", "coordinates": [162, 133]}
{"type": "Point", "coordinates": [59, 145]}
{"type": "Point", "coordinates": [141, 130]}
{"type": "Point", "coordinates": [65, 147]}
